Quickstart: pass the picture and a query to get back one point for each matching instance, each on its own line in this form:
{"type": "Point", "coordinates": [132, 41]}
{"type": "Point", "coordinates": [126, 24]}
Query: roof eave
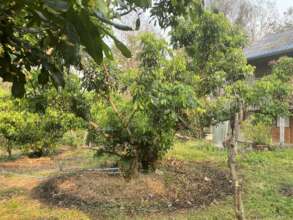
{"type": "Point", "coordinates": [277, 53]}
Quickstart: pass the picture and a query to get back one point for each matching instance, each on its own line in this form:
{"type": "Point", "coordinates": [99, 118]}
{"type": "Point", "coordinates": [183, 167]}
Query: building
{"type": "Point", "coordinates": [260, 54]}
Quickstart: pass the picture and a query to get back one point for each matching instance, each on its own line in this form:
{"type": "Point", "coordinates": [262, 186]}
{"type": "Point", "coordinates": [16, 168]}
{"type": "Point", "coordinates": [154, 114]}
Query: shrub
{"type": "Point", "coordinates": [139, 124]}
{"type": "Point", "coordinates": [146, 141]}
{"type": "Point", "coordinates": [74, 138]}
{"type": "Point", "coordinates": [35, 133]}
{"type": "Point", "coordinates": [46, 131]}
{"type": "Point", "coordinates": [16, 128]}
{"type": "Point", "coordinates": [259, 133]}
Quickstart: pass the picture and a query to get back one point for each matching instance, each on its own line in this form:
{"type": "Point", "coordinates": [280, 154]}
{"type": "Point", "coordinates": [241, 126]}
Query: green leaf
{"type": "Point", "coordinates": [57, 5]}
{"type": "Point", "coordinates": [89, 34]}
{"type": "Point", "coordinates": [101, 5]}
{"type": "Point", "coordinates": [41, 15]}
{"type": "Point", "coordinates": [137, 24]}
{"type": "Point", "coordinates": [143, 3]}
{"type": "Point", "coordinates": [71, 33]}
{"type": "Point", "coordinates": [114, 24]}
{"type": "Point", "coordinates": [43, 77]}
{"type": "Point", "coordinates": [124, 50]}
{"type": "Point", "coordinates": [18, 89]}
{"type": "Point", "coordinates": [107, 51]}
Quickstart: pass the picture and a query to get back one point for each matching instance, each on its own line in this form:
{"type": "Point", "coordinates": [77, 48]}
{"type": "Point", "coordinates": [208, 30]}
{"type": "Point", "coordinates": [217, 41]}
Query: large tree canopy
{"type": "Point", "coordinates": [52, 35]}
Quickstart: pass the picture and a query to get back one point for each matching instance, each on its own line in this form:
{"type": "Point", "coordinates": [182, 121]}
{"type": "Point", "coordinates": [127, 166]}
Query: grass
{"type": "Point", "coordinates": [24, 208]}
{"type": "Point", "coordinates": [264, 175]}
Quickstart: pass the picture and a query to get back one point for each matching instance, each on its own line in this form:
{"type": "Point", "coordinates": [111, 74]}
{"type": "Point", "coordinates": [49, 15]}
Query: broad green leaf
{"type": "Point", "coordinates": [143, 3]}
{"type": "Point", "coordinates": [58, 5]}
{"type": "Point", "coordinates": [124, 50]}
{"type": "Point", "coordinates": [89, 34]}
{"type": "Point", "coordinates": [107, 51]}
{"type": "Point", "coordinates": [41, 15]}
{"type": "Point", "coordinates": [137, 24]}
{"type": "Point", "coordinates": [71, 33]}
{"type": "Point", "coordinates": [18, 89]}
{"type": "Point", "coordinates": [114, 24]}
{"type": "Point", "coordinates": [43, 77]}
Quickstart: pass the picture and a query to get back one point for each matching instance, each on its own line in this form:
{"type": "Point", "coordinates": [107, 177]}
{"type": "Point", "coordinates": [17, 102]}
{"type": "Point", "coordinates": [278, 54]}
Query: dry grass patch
{"type": "Point", "coordinates": [25, 163]}
{"type": "Point", "coordinates": [26, 183]}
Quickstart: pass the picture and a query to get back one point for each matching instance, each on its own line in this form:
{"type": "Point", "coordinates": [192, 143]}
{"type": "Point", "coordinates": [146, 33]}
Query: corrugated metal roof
{"type": "Point", "coordinates": [271, 45]}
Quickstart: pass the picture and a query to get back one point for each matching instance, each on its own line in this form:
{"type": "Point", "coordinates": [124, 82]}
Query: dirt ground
{"type": "Point", "coordinates": [287, 190]}
{"type": "Point", "coordinates": [175, 185]}
{"type": "Point", "coordinates": [195, 185]}
{"type": "Point", "coordinates": [25, 163]}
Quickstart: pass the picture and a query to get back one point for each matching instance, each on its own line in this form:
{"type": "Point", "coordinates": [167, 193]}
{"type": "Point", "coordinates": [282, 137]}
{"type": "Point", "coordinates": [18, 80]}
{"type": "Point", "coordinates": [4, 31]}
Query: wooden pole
{"type": "Point", "coordinates": [282, 130]}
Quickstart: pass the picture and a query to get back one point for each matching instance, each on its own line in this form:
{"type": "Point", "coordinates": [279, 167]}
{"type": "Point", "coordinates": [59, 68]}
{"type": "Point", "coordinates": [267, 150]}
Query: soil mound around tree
{"type": "Point", "coordinates": [175, 185]}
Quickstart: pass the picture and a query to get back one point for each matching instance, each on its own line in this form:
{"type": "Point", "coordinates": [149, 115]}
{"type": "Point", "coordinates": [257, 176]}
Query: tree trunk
{"type": "Point", "coordinates": [133, 166]}
{"type": "Point", "coordinates": [201, 132]}
{"type": "Point", "coordinates": [9, 151]}
{"type": "Point", "coordinates": [133, 170]}
{"type": "Point", "coordinates": [232, 153]}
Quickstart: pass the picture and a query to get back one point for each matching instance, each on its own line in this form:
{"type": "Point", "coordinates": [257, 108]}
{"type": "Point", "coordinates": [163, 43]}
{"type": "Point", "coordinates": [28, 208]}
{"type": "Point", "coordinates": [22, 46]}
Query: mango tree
{"type": "Point", "coordinates": [53, 34]}
{"type": "Point", "coordinates": [215, 48]}
{"type": "Point", "coordinates": [138, 123]}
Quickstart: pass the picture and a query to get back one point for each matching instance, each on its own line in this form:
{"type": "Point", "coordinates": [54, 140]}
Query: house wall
{"type": "Point", "coordinates": [288, 133]}
{"type": "Point", "coordinates": [263, 68]}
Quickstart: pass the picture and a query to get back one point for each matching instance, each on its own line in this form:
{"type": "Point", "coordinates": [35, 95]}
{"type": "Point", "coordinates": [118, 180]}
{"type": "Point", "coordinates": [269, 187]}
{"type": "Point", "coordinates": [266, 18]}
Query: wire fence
{"type": "Point", "coordinates": [42, 168]}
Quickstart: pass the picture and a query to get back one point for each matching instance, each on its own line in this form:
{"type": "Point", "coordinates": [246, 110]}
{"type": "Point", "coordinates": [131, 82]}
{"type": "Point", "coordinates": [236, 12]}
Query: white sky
{"type": "Point", "coordinates": [284, 4]}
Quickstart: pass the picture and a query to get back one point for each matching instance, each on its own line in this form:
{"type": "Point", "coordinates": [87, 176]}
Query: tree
{"type": "Point", "coordinates": [287, 21]}
{"type": "Point", "coordinates": [139, 125]}
{"type": "Point", "coordinates": [257, 18]}
{"type": "Point", "coordinates": [11, 124]}
{"type": "Point", "coordinates": [52, 34]}
{"type": "Point", "coordinates": [131, 40]}
{"type": "Point", "coordinates": [37, 122]}
{"type": "Point", "coordinates": [215, 50]}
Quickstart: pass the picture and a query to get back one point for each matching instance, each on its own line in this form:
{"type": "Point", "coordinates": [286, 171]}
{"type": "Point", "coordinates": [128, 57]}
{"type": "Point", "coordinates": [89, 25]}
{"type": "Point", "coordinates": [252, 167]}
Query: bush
{"type": "Point", "coordinates": [74, 138]}
{"type": "Point", "coordinates": [149, 143]}
{"type": "Point", "coordinates": [259, 133]}
{"type": "Point", "coordinates": [16, 128]}
{"type": "Point", "coordinates": [139, 123]}
{"type": "Point", "coordinates": [45, 133]}
{"type": "Point", "coordinates": [36, 134]}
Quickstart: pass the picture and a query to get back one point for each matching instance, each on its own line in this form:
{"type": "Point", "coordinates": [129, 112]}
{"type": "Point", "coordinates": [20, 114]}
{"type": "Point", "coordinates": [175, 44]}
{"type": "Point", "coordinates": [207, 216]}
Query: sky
{"type": "Point", "coordinates": [283, 4]}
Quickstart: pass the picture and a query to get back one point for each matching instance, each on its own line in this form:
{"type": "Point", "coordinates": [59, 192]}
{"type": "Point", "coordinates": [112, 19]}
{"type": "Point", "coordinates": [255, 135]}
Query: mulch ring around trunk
{"type": "Point", "coordinates": [175, 185]}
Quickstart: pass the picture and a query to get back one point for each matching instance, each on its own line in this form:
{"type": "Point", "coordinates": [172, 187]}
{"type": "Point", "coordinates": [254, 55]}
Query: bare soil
{"type": "Point", "coordinates": [25, 163]}
{"type": "Point", "coordinates": [287, 190]}
{"type": "Point", "coordinates": [176, 185]}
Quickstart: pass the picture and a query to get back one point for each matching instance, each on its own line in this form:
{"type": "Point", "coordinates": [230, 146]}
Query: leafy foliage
{"type": "Point", "coordinates": [37, 122]}
{"type": "Point", "coordinates": [53, 34]}
{"type": "Point", "coordinates": [140, 123]}
{"type": "Point", "coordinates": [257, 132]}
{"type": "Point", "coordinates": [215, 50]}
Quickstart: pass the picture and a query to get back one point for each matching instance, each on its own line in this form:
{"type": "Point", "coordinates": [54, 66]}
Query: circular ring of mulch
{"type": "Point", "coordinates": [175, 185]}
